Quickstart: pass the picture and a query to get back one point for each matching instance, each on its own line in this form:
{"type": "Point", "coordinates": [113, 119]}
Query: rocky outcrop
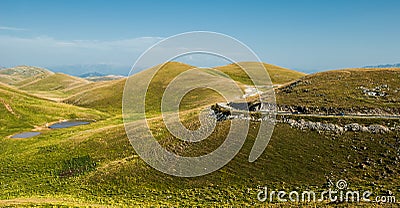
{"type": "Point", "coordinates": [329, 127]}
{"type": "Point", "coordinates": [317, 110]}
{"type": "Point", "coordinates": [337, 111]}
{"type": "Point", "coordinates": [228, 112]}
{"type": "Point", "coordinates": [314, 126]}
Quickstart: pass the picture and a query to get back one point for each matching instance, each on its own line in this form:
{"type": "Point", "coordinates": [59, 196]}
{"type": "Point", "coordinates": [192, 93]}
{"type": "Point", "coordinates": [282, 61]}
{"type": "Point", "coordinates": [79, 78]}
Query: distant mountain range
{"type": "Point", "coordinates": [104, 78]}
{"type": "Point", "coordinates": [91, 74]}
{"type": "Point", "coordinates": [87, 69]}
{"type": "Point", "coordinates": [384, 66]}
{"type": "Point", "coordinates": [96, 76]}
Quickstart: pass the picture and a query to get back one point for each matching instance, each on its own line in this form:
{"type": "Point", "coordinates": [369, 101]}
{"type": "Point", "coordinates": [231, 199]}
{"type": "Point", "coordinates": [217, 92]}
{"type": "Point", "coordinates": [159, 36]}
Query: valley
{"type": "Point", "coordinates": [95, 164]}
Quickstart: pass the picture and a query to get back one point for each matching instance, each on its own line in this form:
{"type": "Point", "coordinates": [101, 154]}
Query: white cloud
{"type": "Point", "coordinates": [12, 28]}
{"type": "Point", "coordinates": [45, 51]}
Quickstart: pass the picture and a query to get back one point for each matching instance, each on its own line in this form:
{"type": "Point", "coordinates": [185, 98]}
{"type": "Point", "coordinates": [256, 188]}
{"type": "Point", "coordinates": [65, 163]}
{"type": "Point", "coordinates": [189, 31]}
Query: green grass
{"type": "Point", "coordinates": [54, 87]}
{"type": "Point", "coordinates": [277, 74]}
{"type": "Point", "coordinates": [21, 111]}
{"type": "Point", "coordinates": [21, 75]}
{"type": "Point", "coordinates": [107, 96]}
{"type": "Point", "coordinates": [341, 89]}
{"type": "Point", "coordinates": [90, 86]}
{"type": "Point", "coordinates": [31, 167]}
{"type": "Point", "coordinates": [55, 82]}
{"type": "Point", "coordinates": [95, 165]}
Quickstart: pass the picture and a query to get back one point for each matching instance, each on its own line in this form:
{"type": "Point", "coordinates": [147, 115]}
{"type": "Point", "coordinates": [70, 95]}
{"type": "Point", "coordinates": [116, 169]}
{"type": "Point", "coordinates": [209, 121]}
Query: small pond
{"type": "Point", "coordinates": [25, 135]}
{"type": "Point", "coordinates": [67, 124]}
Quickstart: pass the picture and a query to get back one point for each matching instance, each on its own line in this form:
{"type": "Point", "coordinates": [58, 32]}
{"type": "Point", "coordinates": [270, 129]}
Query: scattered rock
{"type": "Point", "coordinates": [329, 127]}
{"type": "Point", "coordinates": [227, 112]}
{"type": "Point", "coordinates": [378, 129]}
{"type": "Point", "coordinates": [380, 161]}
{"type": "Point", "coordinates": [375, 92]}
{"type": "Point", "coordinates": [362, 166]}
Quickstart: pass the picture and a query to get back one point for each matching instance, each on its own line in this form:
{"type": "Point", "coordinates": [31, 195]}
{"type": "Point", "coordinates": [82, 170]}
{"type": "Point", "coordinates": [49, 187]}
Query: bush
{"type": "Point", "coordinates": [77, 166]}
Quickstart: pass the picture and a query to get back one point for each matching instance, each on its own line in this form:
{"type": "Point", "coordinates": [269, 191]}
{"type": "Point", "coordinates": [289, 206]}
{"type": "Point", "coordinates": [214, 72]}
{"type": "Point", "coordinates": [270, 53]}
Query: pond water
{"type": "Point", "coordinates": [67, 124]}
{"type": "Point", "coordinates": [25, 135]}
{"type": "Point", "coordinates": [59, 125]}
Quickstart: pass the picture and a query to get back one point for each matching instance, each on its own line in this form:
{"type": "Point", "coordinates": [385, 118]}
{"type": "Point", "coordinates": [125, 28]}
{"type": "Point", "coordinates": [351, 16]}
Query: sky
{"type": "Point", "coordinates": [305, 35]}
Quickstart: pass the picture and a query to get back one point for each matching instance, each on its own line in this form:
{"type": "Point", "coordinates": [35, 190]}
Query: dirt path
{"type": "Point", "coordinates": [8, 107]}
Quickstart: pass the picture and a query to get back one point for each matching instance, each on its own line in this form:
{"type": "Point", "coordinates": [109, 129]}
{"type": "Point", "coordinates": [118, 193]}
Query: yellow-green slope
{"type": "Point", "coordinates": [54, 82]}
{"type": "Point", "coordinates": [278, 75]}
{"type": "Point", "coordinates": [347, 88]}
{"type": "Point", "coordinates": [108, 95]}
{"type": "Point", "coordinates": [20, 111]}
{"type": "Point", "coordinates": [21, 75]}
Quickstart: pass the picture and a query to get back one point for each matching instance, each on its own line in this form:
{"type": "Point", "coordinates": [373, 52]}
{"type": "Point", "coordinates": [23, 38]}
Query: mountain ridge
{"type": "Point", "coordinates": [91, 74]}
{"type": "Point", "coordinates": [23, 74]}
{"type": "Point", "coordinates": [384, 66]}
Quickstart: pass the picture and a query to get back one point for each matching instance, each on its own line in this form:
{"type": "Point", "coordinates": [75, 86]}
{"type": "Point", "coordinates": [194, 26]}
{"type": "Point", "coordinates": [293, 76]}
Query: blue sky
{"type": "Point", "coordinates": [307, 35]}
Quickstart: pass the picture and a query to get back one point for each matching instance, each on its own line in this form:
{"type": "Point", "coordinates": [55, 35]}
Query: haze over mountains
{"type": "Point", "coordinates": [384, 66]}
{"type": "Point", "coordinates": [96, 70]}
{"type": "Point", "coordinates": [105, 69]}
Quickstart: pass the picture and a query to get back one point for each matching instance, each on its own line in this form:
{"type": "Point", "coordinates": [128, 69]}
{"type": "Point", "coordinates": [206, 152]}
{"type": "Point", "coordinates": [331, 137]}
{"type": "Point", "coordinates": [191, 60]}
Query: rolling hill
{"type": "Point", "coordinates": [95, 165]}
{"type": "Point", "coordinates": [54, 82]}
{"type": "Point", "coordinates": [21, 75]}
{"type": "Point", "coordinates": [54, 87]}
{"type": "Point", "coordinates": [105, 96]}
{"type": "Point", "coordinates": [108, 96]}
{"type": "Point", "coordinates": [77, 91]}
{"type": "Point", "coordinates": [21, 111]}
{"type": "Point", "coordinates": [277, 74]}
{"type": "Point", "coordinates": [40, 82]}
{"type": "Point", "coordinates": [345, 89]}
{"type": "Point", "coordinates": [100, 97]}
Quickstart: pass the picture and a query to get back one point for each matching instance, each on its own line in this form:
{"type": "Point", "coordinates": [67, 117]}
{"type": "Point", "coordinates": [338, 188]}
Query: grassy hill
{"type": "Point", "coordinates": [278, 75]}
{"type": "Point", "coordinates": [54, 82]}
{"type": "Point", "coordinates": [21, 75]}
{"type": "Point", "coordinates": [347, 88]}
{"type": "Point", "coordinates": [108, 96]}
{"type": "Point", "coordinates": [54, 87]}
{"type": "Point", "coordinates": [100, 97]}
{"type": "Point", "coordinates": [95, 165]}
{"type": "Point", "coordinates": [41, 82]}
{"type": "Point", "coordinates": [20, 111]}
{"type": "Point", "coordinates": [105, 96]}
